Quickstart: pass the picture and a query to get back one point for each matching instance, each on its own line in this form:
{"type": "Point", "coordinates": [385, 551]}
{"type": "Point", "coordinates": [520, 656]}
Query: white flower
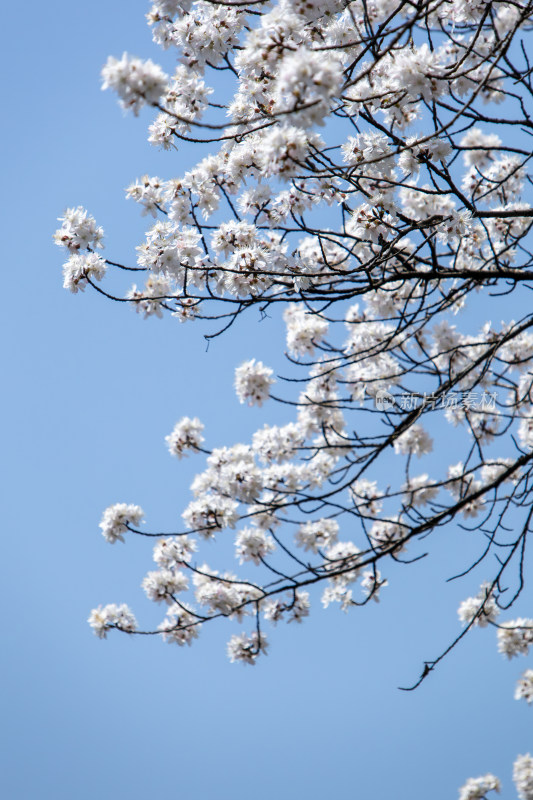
{"type": "Point", "coordinates": [136, 82]}
{"type": "Point", "coordinates": [149, 193]}
{"type": "Point", "coordinates": [187, 435]}
{"type": "Point", "coordinates": [117, 518]}
{"type": "Point", "coordinates": [278, 444]}
{"type": "Point", "coordinates": [112, 616]}
{"type": "Point", "coordinates": [478, 146]}
{"type": "Point", "coordinates": [80, 268]}
{"type": "Point", "coordinates": [366, 497]}
{"type": "Point", "coordinates": [515, 637]}
{"type": "Point", "coordinates": [525, 431]}
{"type": "Point", "coordinates": [308, 77]}
{"type": "Point", "coordinates": [420, 490]}
{"type": "Point", "coordinates": [148, 301]}
{"type": "Point", "coordinates": [206, 33]}
{"type": "Point", "coordinates": [283, 149]}
{"type": "Point", "coordinates": [344, 557]}
{"type": "Point", "coordinates": [247, 648]}
{"type": "Point", "coordinates": [252, 382]}
{"type": "Point", "coordinates": [523, 777]}
{"type": "Point", "coordinates": [415, 441]}
{"type": "Point", "coordinates": [477, 788]}
{"type": "Point", "coordinates": [231, 472]}
{"type": "Point", "coordinates": [180, 626]}
{"type": "Point", "coordinates": [159, 585]}
{"type": "Point", "coordinates": [263, 513]}
{"type": "Point", "coordinates": [317, 535]}
{"type": "Point", "coordinates": [253, 544]}
{"type": "Point", "coordinates": [367, 147]}
{"type": "Point", "coordinates": [420, 151]}
{"type": "Point", "coordinates": [210, 513]}
{"type": "Point", "coordinates": [480, 609]}
{"type": "Point", "coordinates": [296, 606]}
{"type": "Point", "coordinates": [492, 470]}
{"type": "Point", "coordinates": [304, 330]}
{"type": "Point", "coordinates": [457, 225]}
{"type": "Point", "coordinates": [223, 594]}
{"type": "Point", "coordinates": [524, 687]}
{"type": "Point", "coordinates": [387, 534]}
{"type": "Point", "coordinates": [231, 236]}
{"type": "Point", "coordinates": [461, 485]}
{"type": "Point", "coordinates": [369, 224]}
{"type": "Point", "coordinates": [372, 583]}
{"type": "Point", "coordinates": [300, 607]}
{"type": "Point", "coordinates": [338, 593]}
{"type": "Point", "coordinates": [78, 231]}
{"type": "Point", "coordinates": [173, 553]}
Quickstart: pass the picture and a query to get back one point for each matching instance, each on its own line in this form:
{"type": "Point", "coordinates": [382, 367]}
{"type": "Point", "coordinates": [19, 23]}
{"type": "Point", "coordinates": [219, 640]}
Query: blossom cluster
{"type": "Point", "coordinates": [372, 190]}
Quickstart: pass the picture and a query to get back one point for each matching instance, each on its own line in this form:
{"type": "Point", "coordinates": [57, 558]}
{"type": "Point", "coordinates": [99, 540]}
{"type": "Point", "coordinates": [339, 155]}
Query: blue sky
{"type": "Point", "coordinates": [90, 391]}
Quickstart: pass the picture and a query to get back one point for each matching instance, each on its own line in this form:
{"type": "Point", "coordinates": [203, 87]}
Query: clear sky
{"type": "Point", "coordinates": [89, 392]}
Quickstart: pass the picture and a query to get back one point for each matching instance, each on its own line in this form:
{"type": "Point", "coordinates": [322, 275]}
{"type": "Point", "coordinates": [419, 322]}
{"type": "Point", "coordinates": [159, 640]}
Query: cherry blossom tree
{"type": "Point", "coordinates": [367, 175]}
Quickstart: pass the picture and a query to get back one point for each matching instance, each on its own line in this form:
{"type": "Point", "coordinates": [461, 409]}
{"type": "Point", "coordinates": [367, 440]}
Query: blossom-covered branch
{"type": "Point", "coordinates": [367, 173]}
